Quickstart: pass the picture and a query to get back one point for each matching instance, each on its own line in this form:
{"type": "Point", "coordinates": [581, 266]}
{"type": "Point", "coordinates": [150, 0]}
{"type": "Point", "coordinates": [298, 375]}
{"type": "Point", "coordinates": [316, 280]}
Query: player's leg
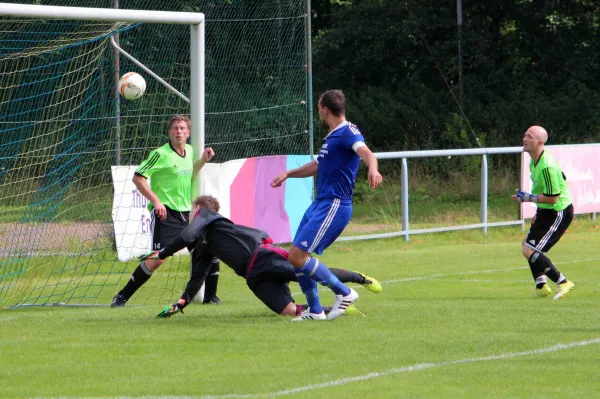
{"type": "Point", "coordinates": [307, 284]}
{"type": "Point", "coordinates": [143, 271]}
{"type": "Point", "coordinates": [536, 232]}
{"type": "Point", "coordinates": [268, 280]}
{"type": "Point", "coordinates": [546, 230]}
{"type": "Point", "coordinates": [272, 264]}
{"type": "Point", "coordinates": [347, 276]}
{"type": "Point", "coordinates": [211, 283]}
{"type": "Point", "coordinates": [163, 232]}
{"type": "Point", "coordinates": [326, 223]}
{"type": "Point", "coordinates": [276, 295]}
{"type": "Point", "coordinates": [563, 285]}
{"type": "Point", "coordinates": [288, 273]}
{"type": "Point", "coordinates": [140, 275]}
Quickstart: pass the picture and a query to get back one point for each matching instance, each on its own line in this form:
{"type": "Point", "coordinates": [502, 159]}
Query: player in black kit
{"type": "Point", "coordinates": [248, 252]}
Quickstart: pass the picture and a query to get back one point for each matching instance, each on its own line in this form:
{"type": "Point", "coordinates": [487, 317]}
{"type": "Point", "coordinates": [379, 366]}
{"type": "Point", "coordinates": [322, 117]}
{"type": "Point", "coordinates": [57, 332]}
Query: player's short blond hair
{"type": "Point", "coordinates": [180, 118]}
{"type": "Point", "coordinates": [208, 202]}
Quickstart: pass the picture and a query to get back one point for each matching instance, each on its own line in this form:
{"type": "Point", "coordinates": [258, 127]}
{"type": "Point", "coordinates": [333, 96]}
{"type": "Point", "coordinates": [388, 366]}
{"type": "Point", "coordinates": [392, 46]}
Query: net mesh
{"type": "Point", "coordinates": [61, 130]}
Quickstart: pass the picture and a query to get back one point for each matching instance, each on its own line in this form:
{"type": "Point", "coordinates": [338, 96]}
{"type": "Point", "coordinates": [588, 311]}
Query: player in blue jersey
{"type": "Point", "coordinates": [336, 168]}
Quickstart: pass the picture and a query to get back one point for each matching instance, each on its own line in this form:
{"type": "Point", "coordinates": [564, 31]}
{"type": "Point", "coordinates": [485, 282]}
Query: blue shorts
{"type": "Point", "coordinates": [322, 224]}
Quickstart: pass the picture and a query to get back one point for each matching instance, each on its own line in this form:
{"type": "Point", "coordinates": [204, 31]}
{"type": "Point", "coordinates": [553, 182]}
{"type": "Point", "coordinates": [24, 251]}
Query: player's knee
{"type": "Point", "coordinates": [153, 264]}
{"type": "Point", "coordinates": [289, 310]}
{"type": "Point", "coordinates": [297, 256]}
{"type": "Point", "coordinates": [527, 251]}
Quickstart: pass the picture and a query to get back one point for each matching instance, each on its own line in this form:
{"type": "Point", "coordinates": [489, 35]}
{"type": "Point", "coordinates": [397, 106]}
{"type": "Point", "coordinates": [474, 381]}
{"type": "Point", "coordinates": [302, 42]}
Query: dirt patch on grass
{"type": "Point", "coordinates": [369, 228]}
{"type": "Point", "coordinates": [44, 237]}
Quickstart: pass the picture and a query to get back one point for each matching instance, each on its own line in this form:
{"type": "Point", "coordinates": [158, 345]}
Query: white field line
{"type": "Point", "coordinates": [473, 272]}
{"type": "Point", "coordinates": [369, 376]}
{"type": "Point", "coordinates": [435, 276]}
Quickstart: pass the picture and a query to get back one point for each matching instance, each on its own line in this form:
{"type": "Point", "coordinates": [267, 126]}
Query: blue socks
{"type": "Point", "coordinates": [317, 271]}
{"type": "Point", "coordinates": [309, 288]}
{"type": "Point", "coordinates": [312, 272]}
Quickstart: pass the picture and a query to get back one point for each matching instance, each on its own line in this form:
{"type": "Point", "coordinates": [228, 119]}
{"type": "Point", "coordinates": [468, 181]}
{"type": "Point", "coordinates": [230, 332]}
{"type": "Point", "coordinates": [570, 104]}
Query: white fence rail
{"type": "Point", "coordinates": [406, 231]}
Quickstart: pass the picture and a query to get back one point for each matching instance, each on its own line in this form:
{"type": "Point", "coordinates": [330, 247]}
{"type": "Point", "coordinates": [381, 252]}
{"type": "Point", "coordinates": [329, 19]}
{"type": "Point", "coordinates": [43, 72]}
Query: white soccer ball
{"type": "Point", "coordinates": [132, 85]}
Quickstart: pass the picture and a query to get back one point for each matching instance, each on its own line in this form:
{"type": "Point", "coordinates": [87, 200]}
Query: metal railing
{"type": "Point", "coordinates": [483, 214]}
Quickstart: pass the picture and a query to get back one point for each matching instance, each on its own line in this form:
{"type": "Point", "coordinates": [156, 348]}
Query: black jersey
{"type": "Point", "coordinates": [212, 235]}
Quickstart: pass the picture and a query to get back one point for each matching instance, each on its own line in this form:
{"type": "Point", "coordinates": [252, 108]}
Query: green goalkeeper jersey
{"type": "Point", "coordinates": [170, 176]}
{"type": "Point", "coordinates": [549, 179]}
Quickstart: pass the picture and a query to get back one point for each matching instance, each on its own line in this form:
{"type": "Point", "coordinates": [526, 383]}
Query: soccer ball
{"type": "Point", "coordinates": [132, 85]}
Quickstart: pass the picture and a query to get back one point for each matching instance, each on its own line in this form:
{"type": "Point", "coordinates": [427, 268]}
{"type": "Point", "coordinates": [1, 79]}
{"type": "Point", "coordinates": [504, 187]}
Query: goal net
{"type": "Point", "coordinates": [62, 129]}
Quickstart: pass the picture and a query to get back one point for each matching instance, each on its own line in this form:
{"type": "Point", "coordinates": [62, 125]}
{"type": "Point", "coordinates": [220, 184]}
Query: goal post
{"type": "Point", "coordinates": [71, 221]}
{"type": "Point", "coordinates": [24, 282]}
{"type": "Point", "coordinates": [197, 44]}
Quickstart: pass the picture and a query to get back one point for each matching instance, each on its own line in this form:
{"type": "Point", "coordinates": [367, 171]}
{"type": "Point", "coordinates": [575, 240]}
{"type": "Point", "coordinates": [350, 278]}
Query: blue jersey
{"type": "Point", "coordinates": [338, 162]}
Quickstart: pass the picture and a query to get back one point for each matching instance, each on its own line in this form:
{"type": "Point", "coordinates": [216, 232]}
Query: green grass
{"type": "Point", "coordinates": [91, 279]}
{"type": "Point", "coordinates": [450, 301]}
{"type": "Point", "coordinates": [499, 208]}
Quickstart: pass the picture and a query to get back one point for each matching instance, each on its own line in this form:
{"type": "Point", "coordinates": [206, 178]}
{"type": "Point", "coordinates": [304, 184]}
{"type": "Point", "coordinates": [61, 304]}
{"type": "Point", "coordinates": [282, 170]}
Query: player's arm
{"type": "Point", "coordinates": [550, 189]}
{"type": "Point", "coordinates": [146, 169]}
{"type": "Point", "coordinates": [201, 264]}
{"type": "Point", "coordinates": [186, 239]}
{"type": "Point", "coordinates": [207, 155]}
{"type": "Point", "coordinates": [143, 187]}
{"type": "Point", "coordinates": [310, 169]}
{"type": "Point", "coordinates": [307, 170]}
{"type": "Point", "coordinates": [355, 140]}
{"type": "Point", "coordinates": [369, 159]}
{"type": "Point", "coordinates": [543, 199]}
{"type": "Point", "coordinates": [523, 196]}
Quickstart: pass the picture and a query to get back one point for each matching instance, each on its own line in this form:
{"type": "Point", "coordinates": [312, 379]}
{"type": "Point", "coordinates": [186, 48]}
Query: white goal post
{"type": "Point", "coordinates": [197, 46]}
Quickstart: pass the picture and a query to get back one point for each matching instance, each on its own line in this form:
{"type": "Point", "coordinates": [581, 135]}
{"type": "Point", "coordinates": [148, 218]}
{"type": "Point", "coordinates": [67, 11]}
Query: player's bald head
{"type": "Point", "coordinates": [539, 132]}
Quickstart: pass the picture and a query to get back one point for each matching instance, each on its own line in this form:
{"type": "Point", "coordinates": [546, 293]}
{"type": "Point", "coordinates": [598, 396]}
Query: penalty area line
{"type": "Point", "coordinates": [372, 375]}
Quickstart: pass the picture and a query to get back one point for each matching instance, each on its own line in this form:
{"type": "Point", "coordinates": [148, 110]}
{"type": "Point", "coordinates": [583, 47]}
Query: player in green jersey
{"type": "Point", "coordinates": [554, 214]}
{"type": "Point", "coordinates": [171, 169]}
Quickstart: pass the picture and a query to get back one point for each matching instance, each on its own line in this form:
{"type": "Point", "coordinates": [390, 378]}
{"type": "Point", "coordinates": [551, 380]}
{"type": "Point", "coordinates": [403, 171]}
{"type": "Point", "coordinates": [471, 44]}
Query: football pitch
{"type": "Point", "coordinates": [456, 318]}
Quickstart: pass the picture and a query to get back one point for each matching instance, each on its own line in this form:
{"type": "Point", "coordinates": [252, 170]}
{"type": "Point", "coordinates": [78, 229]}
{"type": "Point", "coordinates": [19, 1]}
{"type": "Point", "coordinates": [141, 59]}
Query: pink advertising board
{"type": "Point", "coordinates": [581, 166]}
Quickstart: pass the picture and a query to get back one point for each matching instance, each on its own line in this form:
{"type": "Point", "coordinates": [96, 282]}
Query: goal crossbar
{"type": "Point", "coordinates": [100, 14]}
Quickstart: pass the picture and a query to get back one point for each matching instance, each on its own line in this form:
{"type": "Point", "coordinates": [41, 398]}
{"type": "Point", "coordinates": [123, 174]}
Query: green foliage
{"type": "Point", "coordinates": [363, 192]}
{"type": "Point", "coordinates": [525, 63]}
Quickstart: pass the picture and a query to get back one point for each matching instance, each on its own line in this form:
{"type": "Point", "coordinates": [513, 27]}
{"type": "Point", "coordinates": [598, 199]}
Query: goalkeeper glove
{"type": "Point", "coordinates": [170, 310]}
{"type": "Point", "coordinates": [523, 196]}
{"type": "Point", "coordinates": [149, 255]}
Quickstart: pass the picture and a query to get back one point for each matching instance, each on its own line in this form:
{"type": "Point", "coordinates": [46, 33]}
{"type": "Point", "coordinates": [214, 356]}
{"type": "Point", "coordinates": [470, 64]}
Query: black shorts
{"type": "Point", "coordinates": [548, 228]}
{"type": "Point", "coordinates": [269, 277]}
{"type": "Point", "coordinates": [164, 231]}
